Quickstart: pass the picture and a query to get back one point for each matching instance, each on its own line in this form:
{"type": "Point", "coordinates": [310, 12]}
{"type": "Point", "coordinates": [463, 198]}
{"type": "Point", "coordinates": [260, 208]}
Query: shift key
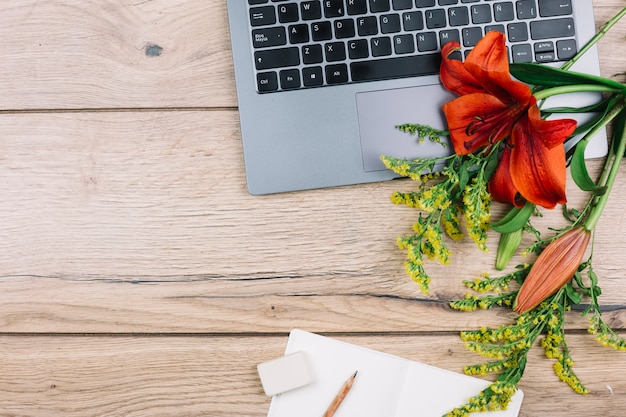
{"type": "Point", "coordinates": [553, 28]}
{"type": "Point", "coordinates": [276, 58]}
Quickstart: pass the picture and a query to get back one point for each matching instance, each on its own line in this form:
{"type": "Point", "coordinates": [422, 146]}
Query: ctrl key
{"type": "Point", "coordinates": [284, 373]}
{"type": "Point", "coordinates": [267, 81]}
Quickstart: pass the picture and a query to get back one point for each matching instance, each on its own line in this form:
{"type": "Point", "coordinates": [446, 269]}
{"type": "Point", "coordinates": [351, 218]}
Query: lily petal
{"type": "Point", "coordinates": [537, 171]}
{"type": "Point", "coordinates": [488, 62]}
{"type": "Point", "coordinates": [453, 74]}
{"type": "Point", "coordinates": [501, 185]}
{"type": "Point", "coordinates": [477, 120]}
{"type": "Point", "coordinates": [550, 132]}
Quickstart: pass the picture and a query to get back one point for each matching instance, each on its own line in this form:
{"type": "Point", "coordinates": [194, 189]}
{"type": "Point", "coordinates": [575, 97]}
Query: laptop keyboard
{"type": "Point", "coordinates": [313, 43]}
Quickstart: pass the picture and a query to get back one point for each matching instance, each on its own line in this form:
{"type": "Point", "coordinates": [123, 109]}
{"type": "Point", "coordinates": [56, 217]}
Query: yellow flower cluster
{"type": "Point", "coordinates": [496, 397]}
{"type": "Point", "coordinates": [564, 372]}
{"type": "Point", "coordinates": [476, 204]}
{"type": "Point", "coordinates": [451, 224]}
{"type": "Point", "coordinates": [604, 334]}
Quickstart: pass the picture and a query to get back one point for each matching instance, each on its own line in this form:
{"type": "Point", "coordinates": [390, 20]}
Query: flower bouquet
{"type": "Point", "coordinates": [510, 147]}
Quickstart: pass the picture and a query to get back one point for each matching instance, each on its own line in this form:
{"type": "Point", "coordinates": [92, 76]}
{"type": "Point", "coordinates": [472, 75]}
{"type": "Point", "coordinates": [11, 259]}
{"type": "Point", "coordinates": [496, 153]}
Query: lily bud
{"type": "Point", "coordinates": [507, 246]}
{"type": "Point", "coordinates": [554, 267]}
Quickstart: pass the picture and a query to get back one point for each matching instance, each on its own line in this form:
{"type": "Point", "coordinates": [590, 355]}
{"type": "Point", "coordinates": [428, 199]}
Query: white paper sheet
{"type": "Point", "coordinates": [386, 385]}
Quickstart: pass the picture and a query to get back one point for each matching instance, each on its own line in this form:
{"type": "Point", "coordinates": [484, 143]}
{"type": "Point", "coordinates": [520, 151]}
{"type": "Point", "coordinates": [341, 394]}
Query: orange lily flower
{"type": "Point", "coordinates": [554, 267]}
{"type": "Point", "coordinates": [492, 107]}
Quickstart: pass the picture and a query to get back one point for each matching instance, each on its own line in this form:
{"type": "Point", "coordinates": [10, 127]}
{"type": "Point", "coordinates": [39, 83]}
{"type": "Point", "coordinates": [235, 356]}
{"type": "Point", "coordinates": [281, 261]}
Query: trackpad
{"type": "Point", "coordinates": [380, 111]}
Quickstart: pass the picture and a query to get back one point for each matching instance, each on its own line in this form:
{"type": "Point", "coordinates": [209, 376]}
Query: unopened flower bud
{"type": "Point", "coordinates": [554, 267]}
{"type": "Point", "coordinates": [509, 242]}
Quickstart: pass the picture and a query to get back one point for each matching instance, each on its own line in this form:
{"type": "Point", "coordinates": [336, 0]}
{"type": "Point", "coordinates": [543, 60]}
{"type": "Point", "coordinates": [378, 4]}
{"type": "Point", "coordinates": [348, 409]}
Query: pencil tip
{"type": "Point", "coordinates": [354, 375]}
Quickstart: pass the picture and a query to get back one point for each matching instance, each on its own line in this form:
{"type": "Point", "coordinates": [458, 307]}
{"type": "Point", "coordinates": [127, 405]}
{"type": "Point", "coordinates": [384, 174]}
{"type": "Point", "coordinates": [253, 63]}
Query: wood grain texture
{"type": "Point", "coordinates": [72, 54]}
{"type": "Point", "coordinates": [147, 214]}
{"type": "Point", "coordinates": [139, 278]}
{"type": "Point", "coordinates": [215, 376]}
{"type": "Point", "coordinates": [62, 54]}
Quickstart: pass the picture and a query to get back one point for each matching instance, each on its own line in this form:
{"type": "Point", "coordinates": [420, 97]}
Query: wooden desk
{"type": "Point", "coordinates": [139, 278]}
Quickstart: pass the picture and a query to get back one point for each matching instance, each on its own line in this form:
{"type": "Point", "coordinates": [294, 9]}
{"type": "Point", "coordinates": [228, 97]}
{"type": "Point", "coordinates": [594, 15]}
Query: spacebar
{"type": "Point", "coordinates": [398, 67]}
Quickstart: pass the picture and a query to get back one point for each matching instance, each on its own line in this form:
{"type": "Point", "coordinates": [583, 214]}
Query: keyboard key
{"type": "Point", "coordinates": [267, 81]}
{"type": "Point", "coordinates": [402, 4]}
{"type": "Point", "coordinates": [344, 28]}
{"type": "Point", "coordinates": [367, 26]}
{"type": "Point", "coordinates": [503, 12]}
{"type": "Point", "coordinates": [481, 13]}
{"type": "Point", "coordinates": [545, 56]}
{"type": "Point", "coordinates": [446, 36]}
{"type": "Point", "coordinates": [497, 28]}
{"type": "Point", "coordinates": [435, 18]}
{"type": "Point", "coordinates": [336, 74]}
{"type": "Point", "coordinates": [358, 49]}
{"type": "Point", "coordinates": [355, 7]}
{"type": "Point", "coordinates": [554, 28]}
{"type": "Point", "coordinates": [312, 76]}
{"type": "Point", "coordinates": [425, 3]}
{"type": "Point", "coordinates": [261, 16]}
{"type": "Point", "coordinates": [397, 67]}
{"type": "Point", "coordinates": [522, 53]}
{"type": "Point", "coordinates": [403, 44]}
{"type": "Point", "coordinates": [298, 33]}
{"type": "Point", "coordinates": [321, 31]}
{"type": "Point", "coordinates": [311, 10]}
{"type": "Point", "coordinates": [447, 2]}
{"type": "Point", "coordinates": [312, 54]}
{"type": "Point", "coordinates": [555, 7]}
{"type": "Point", "coordinates": [390, 23]}
{"type": "Point", "coordinates": [289, 79]}
{"type": "Point", "coordinates": [276, 58]}
{"type": "Point", "coordinates": [566, 49]}
{"type": "Point", "coordinates": [458, 16]}
{"type": "Point", "coordinates": [253, 2]}
{"type": "Point", "coordinates": [427, 41]}
{"type": "Point", "coordinates": [471, 36]}
{"type": "Point", "coordinates": [377, 6]}
{"type": "Point", "coordinates": [412, 21]}
{"type": "Point", "coordinates": [288, 13]}
{"type": "Point", "coordinates": [526, 9]}
{"type": "Point", "coordinates": [546, 46]}
{"type": "Point", "coordinates": [517, 32]}
{"type": "Point", "coordinates": [380, 46]}
{"type": "Point", "coordinates": [272, 36]}
{"type": "Point", "coordinates": [333, 8]}
{"type": "Point", "coordinates": [335, 51]}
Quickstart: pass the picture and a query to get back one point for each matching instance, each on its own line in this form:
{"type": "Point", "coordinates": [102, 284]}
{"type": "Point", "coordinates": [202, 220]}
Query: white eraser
{"type": "Point", "coordinates": [284, 373]}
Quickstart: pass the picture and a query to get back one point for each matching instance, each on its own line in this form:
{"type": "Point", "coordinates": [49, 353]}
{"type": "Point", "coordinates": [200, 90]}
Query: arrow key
{"type": "Point", "coordinates": [566, 49]}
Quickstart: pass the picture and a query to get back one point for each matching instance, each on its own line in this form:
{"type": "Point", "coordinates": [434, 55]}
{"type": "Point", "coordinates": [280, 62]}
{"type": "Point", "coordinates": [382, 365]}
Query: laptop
{"type": "Point", "coordinates": [321, 85]}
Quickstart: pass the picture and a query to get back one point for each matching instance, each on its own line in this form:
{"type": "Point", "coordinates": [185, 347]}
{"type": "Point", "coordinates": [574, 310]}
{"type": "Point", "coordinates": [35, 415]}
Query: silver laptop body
{"type": "Point", "coordinates": [304, 137]}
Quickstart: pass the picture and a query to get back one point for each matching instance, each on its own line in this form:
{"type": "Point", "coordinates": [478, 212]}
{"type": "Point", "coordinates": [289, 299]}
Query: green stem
{"type": "Point", "coordinates": [575, 88]}
{"type": "Point", "coordinates": [595, 39]}
{"type": "Point", "coordinates": [596, 212]}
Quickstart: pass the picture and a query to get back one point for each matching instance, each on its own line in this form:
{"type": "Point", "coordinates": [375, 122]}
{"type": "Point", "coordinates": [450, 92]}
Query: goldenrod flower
{"type": "Point", "coordinates": [554, 267]}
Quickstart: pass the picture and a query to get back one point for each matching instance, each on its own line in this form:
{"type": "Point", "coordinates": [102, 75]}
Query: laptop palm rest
{"type": "Point", "coordinates": [380, 111]}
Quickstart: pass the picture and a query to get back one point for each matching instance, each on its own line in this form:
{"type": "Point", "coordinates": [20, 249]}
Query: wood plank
{"type": "Point", "coordinates": [63, 54]}
{"type": "Point", "coordinates": [216, 376]}
{"type": "Point", "coordinates": [71, 54]}
{"type": "Point", "coordinates": [110, 241]}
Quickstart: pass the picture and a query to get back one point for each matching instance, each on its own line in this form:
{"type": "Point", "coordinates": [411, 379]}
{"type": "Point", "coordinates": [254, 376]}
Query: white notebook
{"type": "Point", "coordinates": [386, 385]}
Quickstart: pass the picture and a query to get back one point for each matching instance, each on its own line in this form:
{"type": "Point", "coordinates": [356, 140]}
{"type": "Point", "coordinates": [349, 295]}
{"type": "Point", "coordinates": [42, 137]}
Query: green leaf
{"type": "Point", "coordinates": [572, 294]}
{"type": "Point", "coordinates": [552, 77]}
{"type": "Point", "coordinates": [600, 106]}
{"type": "Point", "coordinates": [514, 219]}
{"type": "Point", "coordinates": [464, 174]}
{"type": "Point", "coordinates": [580, 175]}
